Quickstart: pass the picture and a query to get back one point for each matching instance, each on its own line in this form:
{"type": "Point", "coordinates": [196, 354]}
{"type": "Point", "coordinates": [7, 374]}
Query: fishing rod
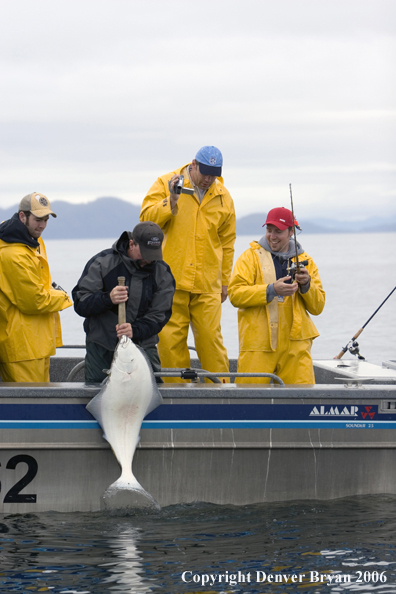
{"type": "Point", "coordinates": [353, 346]}
{"type": "Point", "coordinates": [294, 268]}
{"type": "Point", "coordinates": [294, 231]}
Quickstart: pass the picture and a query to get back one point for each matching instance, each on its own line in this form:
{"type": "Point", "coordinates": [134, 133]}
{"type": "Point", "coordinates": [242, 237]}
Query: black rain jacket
{"type": "Point", "coordinates": [150, 296]}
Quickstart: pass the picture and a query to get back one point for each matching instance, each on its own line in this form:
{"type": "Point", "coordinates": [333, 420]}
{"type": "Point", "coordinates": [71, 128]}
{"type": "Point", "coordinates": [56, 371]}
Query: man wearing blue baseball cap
{"type": "Point", "coordinates": [196, 213]}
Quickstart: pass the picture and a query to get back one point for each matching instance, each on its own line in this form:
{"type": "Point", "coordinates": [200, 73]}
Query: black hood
{"type": "Point", "coordinates": [14, 231]}
{"type": "Point", "coordinates": [122, 243]}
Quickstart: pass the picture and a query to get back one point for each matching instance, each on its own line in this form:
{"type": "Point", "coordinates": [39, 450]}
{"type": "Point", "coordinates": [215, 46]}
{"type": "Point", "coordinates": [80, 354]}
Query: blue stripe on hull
{"type": "Point", "coordinates": [49, 425]}
{"type": "Point", "coordinates": [207, 416]}
{"type": "Point", "coordinates": [268, 424]}
{"type": "Point", "coordinates": [174, 424]}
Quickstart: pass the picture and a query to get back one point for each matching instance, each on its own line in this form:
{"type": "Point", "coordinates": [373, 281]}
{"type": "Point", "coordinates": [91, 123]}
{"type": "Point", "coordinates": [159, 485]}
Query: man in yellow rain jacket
{"type": "Point", "coordinates": [199, 229]}
{"type": "Point", "coordinates": [29, 305]}
{"type": "Point", "coordinates": [275, 329]}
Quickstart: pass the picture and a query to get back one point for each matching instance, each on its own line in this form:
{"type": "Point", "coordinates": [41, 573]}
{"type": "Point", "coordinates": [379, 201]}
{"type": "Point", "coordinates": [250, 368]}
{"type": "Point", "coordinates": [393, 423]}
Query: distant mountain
{"type": "Point", "coordinates": [108, 217]}
{"type": "Point", "coordinates": [105, 217]}
{"type": "Point", "coordinates": [252, 225]}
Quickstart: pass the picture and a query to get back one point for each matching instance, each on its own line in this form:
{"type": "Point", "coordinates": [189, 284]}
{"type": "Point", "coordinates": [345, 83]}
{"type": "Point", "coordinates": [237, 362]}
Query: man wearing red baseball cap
{"type": "Point", "coordinates": [274, 301]}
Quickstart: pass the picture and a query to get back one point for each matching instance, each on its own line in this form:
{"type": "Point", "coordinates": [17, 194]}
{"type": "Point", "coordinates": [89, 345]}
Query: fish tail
{"type": "Point", "coordinates": [127, 482]}
{"type": "Point", "coordinates": [128, 494]}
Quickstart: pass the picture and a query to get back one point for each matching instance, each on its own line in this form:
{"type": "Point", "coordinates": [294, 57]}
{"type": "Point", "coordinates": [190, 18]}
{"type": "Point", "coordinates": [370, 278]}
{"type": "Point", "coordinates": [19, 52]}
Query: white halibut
{"type": "Point", "coordinates": [129, 394]}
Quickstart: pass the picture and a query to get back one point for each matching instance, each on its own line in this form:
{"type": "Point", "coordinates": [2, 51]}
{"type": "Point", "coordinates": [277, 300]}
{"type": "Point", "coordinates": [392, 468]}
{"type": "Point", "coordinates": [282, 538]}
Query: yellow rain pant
{"type": "Point", "coordinates": [203, 311]}
{"type": "Point", "coordinates": [291, 361]}
{"type": "Point", "coordinates": [35, 370]}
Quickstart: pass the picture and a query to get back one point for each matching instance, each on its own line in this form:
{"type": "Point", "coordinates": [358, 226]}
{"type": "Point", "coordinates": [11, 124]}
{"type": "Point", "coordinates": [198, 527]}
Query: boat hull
{"type": "Point", "coordinates": [223, 443]}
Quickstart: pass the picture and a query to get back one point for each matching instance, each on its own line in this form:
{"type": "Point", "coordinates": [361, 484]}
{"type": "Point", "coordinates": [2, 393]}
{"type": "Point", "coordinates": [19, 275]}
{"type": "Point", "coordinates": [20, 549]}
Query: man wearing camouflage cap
{"type": "Point", "coordinates": [29, 320]}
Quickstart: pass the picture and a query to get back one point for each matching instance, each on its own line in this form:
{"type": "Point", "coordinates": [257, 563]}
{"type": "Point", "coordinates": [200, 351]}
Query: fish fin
{"type": "Point", "coordinates": [156, 398]}
{"type": "Point", "coordinates": [94, 408]}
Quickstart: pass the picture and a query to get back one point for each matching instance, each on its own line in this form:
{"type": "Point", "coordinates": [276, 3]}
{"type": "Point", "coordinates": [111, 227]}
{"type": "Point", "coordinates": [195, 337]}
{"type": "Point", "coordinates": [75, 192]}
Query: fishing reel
{"type": "Point", "coordinates": [292, 267]}
{"type": "Point", "coordinates": [353, 348]}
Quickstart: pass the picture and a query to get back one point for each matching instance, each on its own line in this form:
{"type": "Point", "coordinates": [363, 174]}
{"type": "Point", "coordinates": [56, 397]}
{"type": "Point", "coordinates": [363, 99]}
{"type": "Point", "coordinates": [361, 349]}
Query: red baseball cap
{"type": "Point", "coordinates": [280, 217]}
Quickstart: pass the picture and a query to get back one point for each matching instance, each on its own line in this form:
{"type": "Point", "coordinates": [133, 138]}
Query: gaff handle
{"type": "Point", "coordinates": [121, 306]}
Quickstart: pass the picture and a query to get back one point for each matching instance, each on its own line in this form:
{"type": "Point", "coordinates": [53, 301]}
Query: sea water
{"type": "Point", "coordinates": [337, 546]}
{"type": "Point", "coordinates": [346, 545]}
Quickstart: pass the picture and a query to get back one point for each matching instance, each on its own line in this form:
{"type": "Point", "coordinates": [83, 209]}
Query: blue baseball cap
{"type": "Point", "coordinates": [210, 160]}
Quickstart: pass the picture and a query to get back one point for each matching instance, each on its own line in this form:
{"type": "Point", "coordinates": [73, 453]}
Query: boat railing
{"type": "Point", "coordinates": [194, 375]}
{"type": "Point", "coordinates": [82, 346]}
{"type": "Point", "coordinates": [199, 374]}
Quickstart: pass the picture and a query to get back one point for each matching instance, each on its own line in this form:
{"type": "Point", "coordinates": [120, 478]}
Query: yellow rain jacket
{"type": "Point", "coordinates": [248, 291]}
{"type": "Point", "coordinates": [198, 236]}
{"type": "Point", "coordinates": [29, 322]}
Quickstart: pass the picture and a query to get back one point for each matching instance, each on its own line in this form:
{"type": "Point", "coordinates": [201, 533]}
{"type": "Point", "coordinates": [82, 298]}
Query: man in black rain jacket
{"type": "Point", "coordinates": [148, 294]}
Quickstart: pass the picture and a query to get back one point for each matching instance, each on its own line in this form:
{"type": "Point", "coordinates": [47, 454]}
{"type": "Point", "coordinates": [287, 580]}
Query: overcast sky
{"type": "Point", "coordinates": [100, 97]}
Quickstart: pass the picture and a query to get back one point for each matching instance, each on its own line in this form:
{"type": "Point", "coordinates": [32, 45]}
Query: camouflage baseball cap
{"type": "Point", "coordinates": [37, 204]}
